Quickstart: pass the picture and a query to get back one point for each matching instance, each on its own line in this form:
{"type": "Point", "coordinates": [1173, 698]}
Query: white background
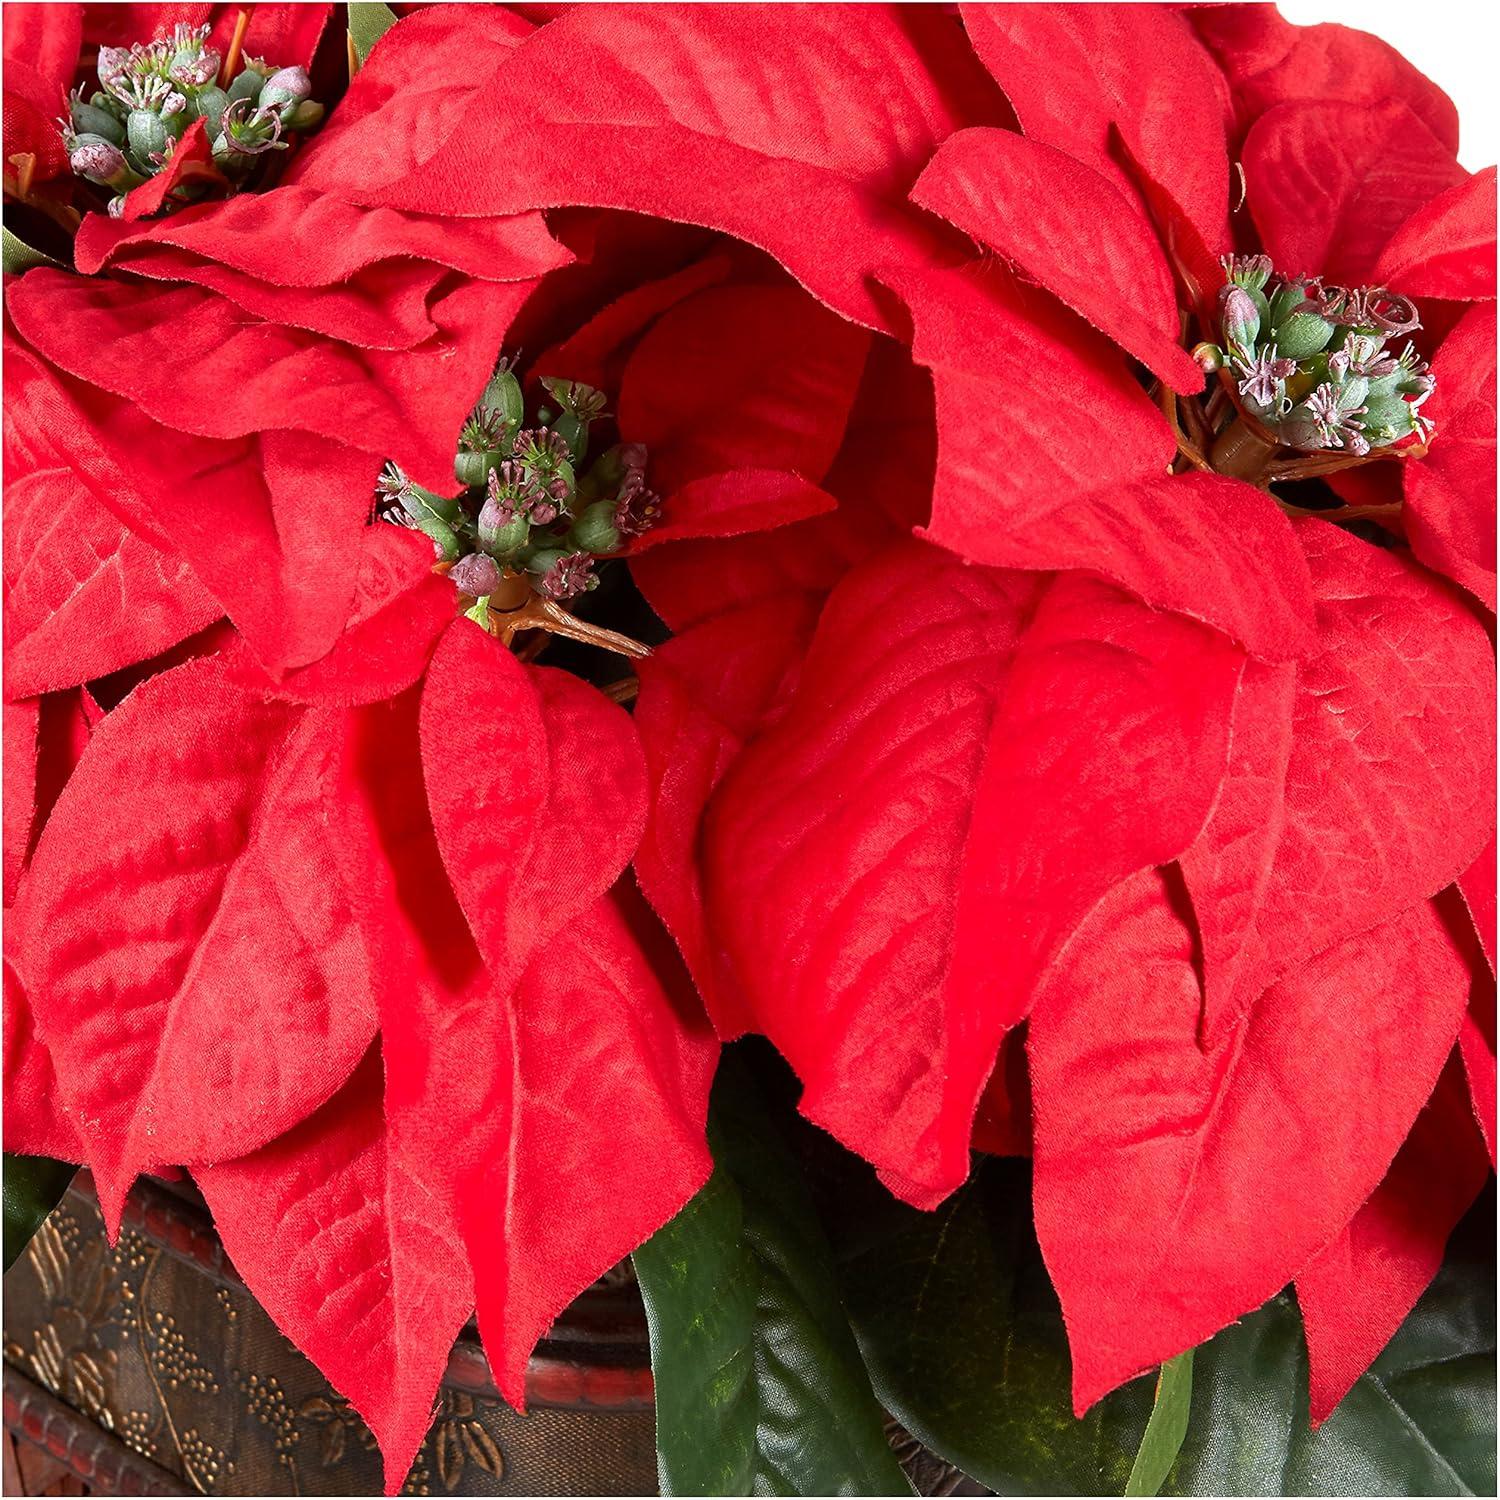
{"type": "Point", "coordinates": [1456, 45]}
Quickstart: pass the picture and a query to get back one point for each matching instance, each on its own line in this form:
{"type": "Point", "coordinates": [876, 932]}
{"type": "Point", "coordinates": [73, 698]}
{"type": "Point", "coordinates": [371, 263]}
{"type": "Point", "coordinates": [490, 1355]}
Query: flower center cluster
{"type": "Point", "coordinates": [1315, 365]}
{"type": "Point", "coordinates": [129, 129]}
{"type": "Point", "coordinates": [529, 509]}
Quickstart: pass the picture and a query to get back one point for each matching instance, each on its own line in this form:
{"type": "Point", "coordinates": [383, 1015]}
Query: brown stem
{"type": "Point", "coordinates": [1242, 453]}
{"type": "Point", "coordinates": [624, 691]}
{"type": "Point", "coordinates": [1166, 398]}
{"type": "Point", "coordinates": [543, 614]}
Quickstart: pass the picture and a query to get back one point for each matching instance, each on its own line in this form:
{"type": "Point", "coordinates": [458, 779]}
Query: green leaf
{"type": "Point", "coordinates": [17, 256]}
{"type": "Point", "coordinates": [759, 1385]}
{"type": "Point", "coordinates": [33, 1186]}
{"type": "Point", "coordinates": [964, 1340]}
{"type": "Point", "coordinates": [1420, 1422]}
{"type": "Point", "coordinates": [368, 22]}
{"type": "Point", "coordinates": [1166, 1429]}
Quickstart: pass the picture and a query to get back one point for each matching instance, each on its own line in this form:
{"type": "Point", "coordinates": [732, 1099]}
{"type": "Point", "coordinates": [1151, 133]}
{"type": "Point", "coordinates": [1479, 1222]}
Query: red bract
{"type": "Point", "coordinates": [435, 867]}
{"type": "Point", "coordinates": [1119, 773]}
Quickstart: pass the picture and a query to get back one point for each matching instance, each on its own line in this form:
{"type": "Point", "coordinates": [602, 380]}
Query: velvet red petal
{"type": "Point", "coordinates": [192, 162]}
{"type": "Point", "coordinates": [1329, 184]}
{"type": "Point", "coordinates": [1355, 1293]}
{"type": "Point", "coordinates": [703, 695]}
{"type": "Point", "coordinates": [820, 136]}
{"type": "Point", "coordinates": [1229, 865]}
{"type": "Point", "coordinates": [45, 38]}
{"type": "Point", "coordinates": [1071, 230]}
{"type": "Point", "coordinates": [610, 1069]}
{"type": "Point", "coordinates": [1450, 494]}
{"type": "Point", "coordinates": [1447, 247]}
{"type": "Point", "coordinates": [130, 952]}
{"type": "Point", "coordinates": [22, 723]}
{"type": "Point", "coordinates": [401, 609]}
{"type": "Point", "coordinates": [537, 787]}
{"type": "Point", "coordinates": [361, 1274]}
{"type": "Point", "coordinates": [278, 563]}
{"type": "Point", "coordinates": [1176, 1189]}
{"type": "Point", "coordinates": [1197, 544]}
{"type": "Point", "coordinates": [832, 849]}
{"type": "Point", "coordinates": [84, 596]}
{"type": "Point", "coordinates": [1476, 1041]}
{"type": "Point", "coordinates": [1268, 61]}
{"type": "Point", "coordinates": [1477, 886]}
{"type": "Point", "coordinates": [742, 377]}
{"type": "Point", "coordinates": [36, 1123]}
{"type": "Point", "coordinates": [1079, 74]}
{"type": "Point", "coordinates": [1386, 797]}
{"type": "Point", "coordinates": [193, 362]}
{"type": "Point", "coordinates": [1033, 407]}
{"type": "Point", "coordinates": [1109, 745]}
{"type": "Point", "coordinates": [734, 504]}
{"type": "Point", "coordinates": [881, 478]}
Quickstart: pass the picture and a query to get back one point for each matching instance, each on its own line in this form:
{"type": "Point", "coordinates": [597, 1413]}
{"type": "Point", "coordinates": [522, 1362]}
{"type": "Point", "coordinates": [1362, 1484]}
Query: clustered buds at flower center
{"type": "Point", "coordinates": [1312, 363]}
{"type": "Point", "coordinates": [148, 96]}
{"type": "Point", "coordinates": [529, 506]}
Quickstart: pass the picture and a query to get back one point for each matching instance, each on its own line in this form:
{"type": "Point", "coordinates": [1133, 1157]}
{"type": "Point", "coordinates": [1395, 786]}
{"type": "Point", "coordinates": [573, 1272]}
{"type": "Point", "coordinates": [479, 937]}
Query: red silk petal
{"type": "Point", "coordinates": [1176, 1189]}
{"type": "Point", "coordinates": [361, 1273]}
{"type": "Point", "coordinates": [1077, 74]}
{"type": "Point", "coordinates": [46, 39]}
{"type": "Point", "coordinates": [193, 362]}
{"type": "Point", "coordinates": [1033, 407]}
{"type": "Point", "coordinates": [1355, 1293]}
{"type": "Point", "coordinates": [1476, 1041]}
{"type": "Point", "coordinates": [1329, 184]}
{"type": "Point", "coordinates": [587, 109]}
{"type": "Point", "coordinates": [196, 1008]}
{"type": "Point", "coordinates": [1109, 745]}
{"type": "Point", "coordinates": [192, 161]}
{"type": "Point", "coordinates": [35, 1121]}
{"type": "Point", "coordinates": [839, 928]}
{"type": "Point", "coordinates": [84, 595]}
{"type": "Point", "coordinates": [1229, 865]}
{"type": "Point", "coordinates": [22, 722]}
{"type": "Point", "coordinates": [1071, 230]}
{"type": "Point", "coordinates": [742, 377]}
{"type": "Point", "coordinates": [882, 479]}
{"type": "Point", "coordinates": [401, 609]}
{"type": "Point", "coordinates": [1450, 494]}
{"type": "Point", "coordinates": [833, 846]}
{"type": "Point", "coordinates": [1387, 794]}
{"type": "Point", "coordinates": [1268, 61]}
{"type": "Point", "coordinates": [1477, 886]}
{"type": "Point", "coordinates": [610, 1070]}
{"type": "Point", "coordinates": [537, 787]}
{"type": "Point", "coordinates": [1447, 247]}
{"type": "Point", "coordinates": [734, 503]}
{"type": "Point", "coordinates": [1196, 544]}
{"type": "Point", "coordinates": [703, 695]}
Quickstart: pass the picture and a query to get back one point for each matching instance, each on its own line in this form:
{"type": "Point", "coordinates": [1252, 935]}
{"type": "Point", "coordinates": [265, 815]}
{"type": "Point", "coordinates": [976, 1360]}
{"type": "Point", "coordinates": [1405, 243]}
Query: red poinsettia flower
{"type": "Point", "coordinates": [1120, 783]}
{"type": "Point", "coordinates": [436, 869]}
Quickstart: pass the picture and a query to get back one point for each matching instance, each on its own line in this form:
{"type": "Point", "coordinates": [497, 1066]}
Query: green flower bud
{"type": "Point", "coordinates": [247, 85]}
{"type": "Point", "coordinates": [1240, 318]}
{"type": "Point", "coordinates": [594, 531]}
{"type": "Point", "coordinates": [445, 544]}
{"type": "Point", "coordinates": [503, 395]}
{"type": "Point", "coordinates": [1208, 357]}
{"type": "Point", "coordinates": [420, 503]}
{"type": "Point", "coordinates": [474, 469]}
{"type": "Point", "coordinates": [211, 104]}
{"type": "Point", "coordinates": [89, 119]}
{"type": "Point", "coordinates": [1388, 420]}
{"type": "Point", "coordinates": [147, 133]}
{"type": "Point", "coordinates": [502, 532]}
{"type": "Point", "coordinates": [306, 115]}
{"type": "Point", "coordinates": [285, 89]}
{"type": "Point", "coordinates": [1302, 335]}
